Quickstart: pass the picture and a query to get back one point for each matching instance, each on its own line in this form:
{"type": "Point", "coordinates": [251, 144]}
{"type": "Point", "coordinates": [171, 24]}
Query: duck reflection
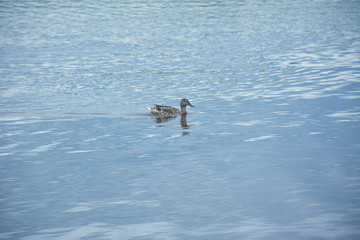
{"type": "Point", "coordinates": [183, 122]}
{"type": "Point", "coordinates": [163, 119]}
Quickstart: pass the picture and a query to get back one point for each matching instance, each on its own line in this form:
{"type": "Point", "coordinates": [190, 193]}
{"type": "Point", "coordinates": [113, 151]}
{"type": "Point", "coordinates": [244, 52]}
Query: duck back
{"type": "Point", "coordinates": [164, 110]}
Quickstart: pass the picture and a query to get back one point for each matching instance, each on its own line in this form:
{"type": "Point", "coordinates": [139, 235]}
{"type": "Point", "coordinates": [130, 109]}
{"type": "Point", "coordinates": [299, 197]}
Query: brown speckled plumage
{"type": "Point", "coordinates": [163, 110]}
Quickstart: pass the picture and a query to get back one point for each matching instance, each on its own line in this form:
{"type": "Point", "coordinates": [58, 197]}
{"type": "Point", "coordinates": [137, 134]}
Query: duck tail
{"type": "Point", "coordinates": [152, 110]}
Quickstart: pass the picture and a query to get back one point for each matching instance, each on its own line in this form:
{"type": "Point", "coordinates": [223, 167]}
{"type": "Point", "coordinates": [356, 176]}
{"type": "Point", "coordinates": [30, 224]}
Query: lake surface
{"type": "Point", "coordinates": [270, 151]}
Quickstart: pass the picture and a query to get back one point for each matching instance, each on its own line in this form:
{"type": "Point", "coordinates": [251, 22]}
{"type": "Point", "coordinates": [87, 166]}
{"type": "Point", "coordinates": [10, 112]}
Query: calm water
{"type": "Point", "coordinates": [271, 150]}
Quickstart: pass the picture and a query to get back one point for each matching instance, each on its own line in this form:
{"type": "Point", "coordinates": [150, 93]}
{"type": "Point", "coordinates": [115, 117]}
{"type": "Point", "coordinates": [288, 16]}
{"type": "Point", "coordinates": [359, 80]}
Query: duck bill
{"type": "Point", "coordinates": [191, 105]}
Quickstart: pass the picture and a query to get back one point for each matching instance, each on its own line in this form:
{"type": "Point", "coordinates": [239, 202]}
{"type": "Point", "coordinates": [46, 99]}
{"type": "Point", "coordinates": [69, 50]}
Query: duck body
{"type": "Point", "coordinates": [162, 110]}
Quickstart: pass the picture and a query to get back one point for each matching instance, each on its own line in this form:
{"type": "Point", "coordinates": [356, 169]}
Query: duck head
{"type": "Point", "coordinates": [184, 103]}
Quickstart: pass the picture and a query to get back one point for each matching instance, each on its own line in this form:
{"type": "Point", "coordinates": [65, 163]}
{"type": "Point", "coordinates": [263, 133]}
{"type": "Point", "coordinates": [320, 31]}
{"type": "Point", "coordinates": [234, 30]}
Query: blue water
{"type": "Point", "coordinates": [270, 151]}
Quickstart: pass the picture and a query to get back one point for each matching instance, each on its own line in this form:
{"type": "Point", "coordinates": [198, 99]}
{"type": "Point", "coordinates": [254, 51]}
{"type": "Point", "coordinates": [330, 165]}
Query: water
{"type": "Point", "coordinates": [271, 150]}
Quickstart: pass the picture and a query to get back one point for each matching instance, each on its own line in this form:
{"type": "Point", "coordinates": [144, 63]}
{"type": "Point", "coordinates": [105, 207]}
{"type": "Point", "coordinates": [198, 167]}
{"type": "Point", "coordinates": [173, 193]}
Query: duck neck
{"type": "Point", "coordinates": [183, 110]}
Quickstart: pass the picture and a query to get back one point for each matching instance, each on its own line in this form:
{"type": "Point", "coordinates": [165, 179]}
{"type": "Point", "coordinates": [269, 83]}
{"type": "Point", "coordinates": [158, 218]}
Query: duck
{"type": "Point", "coordinates": [162, 110]}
